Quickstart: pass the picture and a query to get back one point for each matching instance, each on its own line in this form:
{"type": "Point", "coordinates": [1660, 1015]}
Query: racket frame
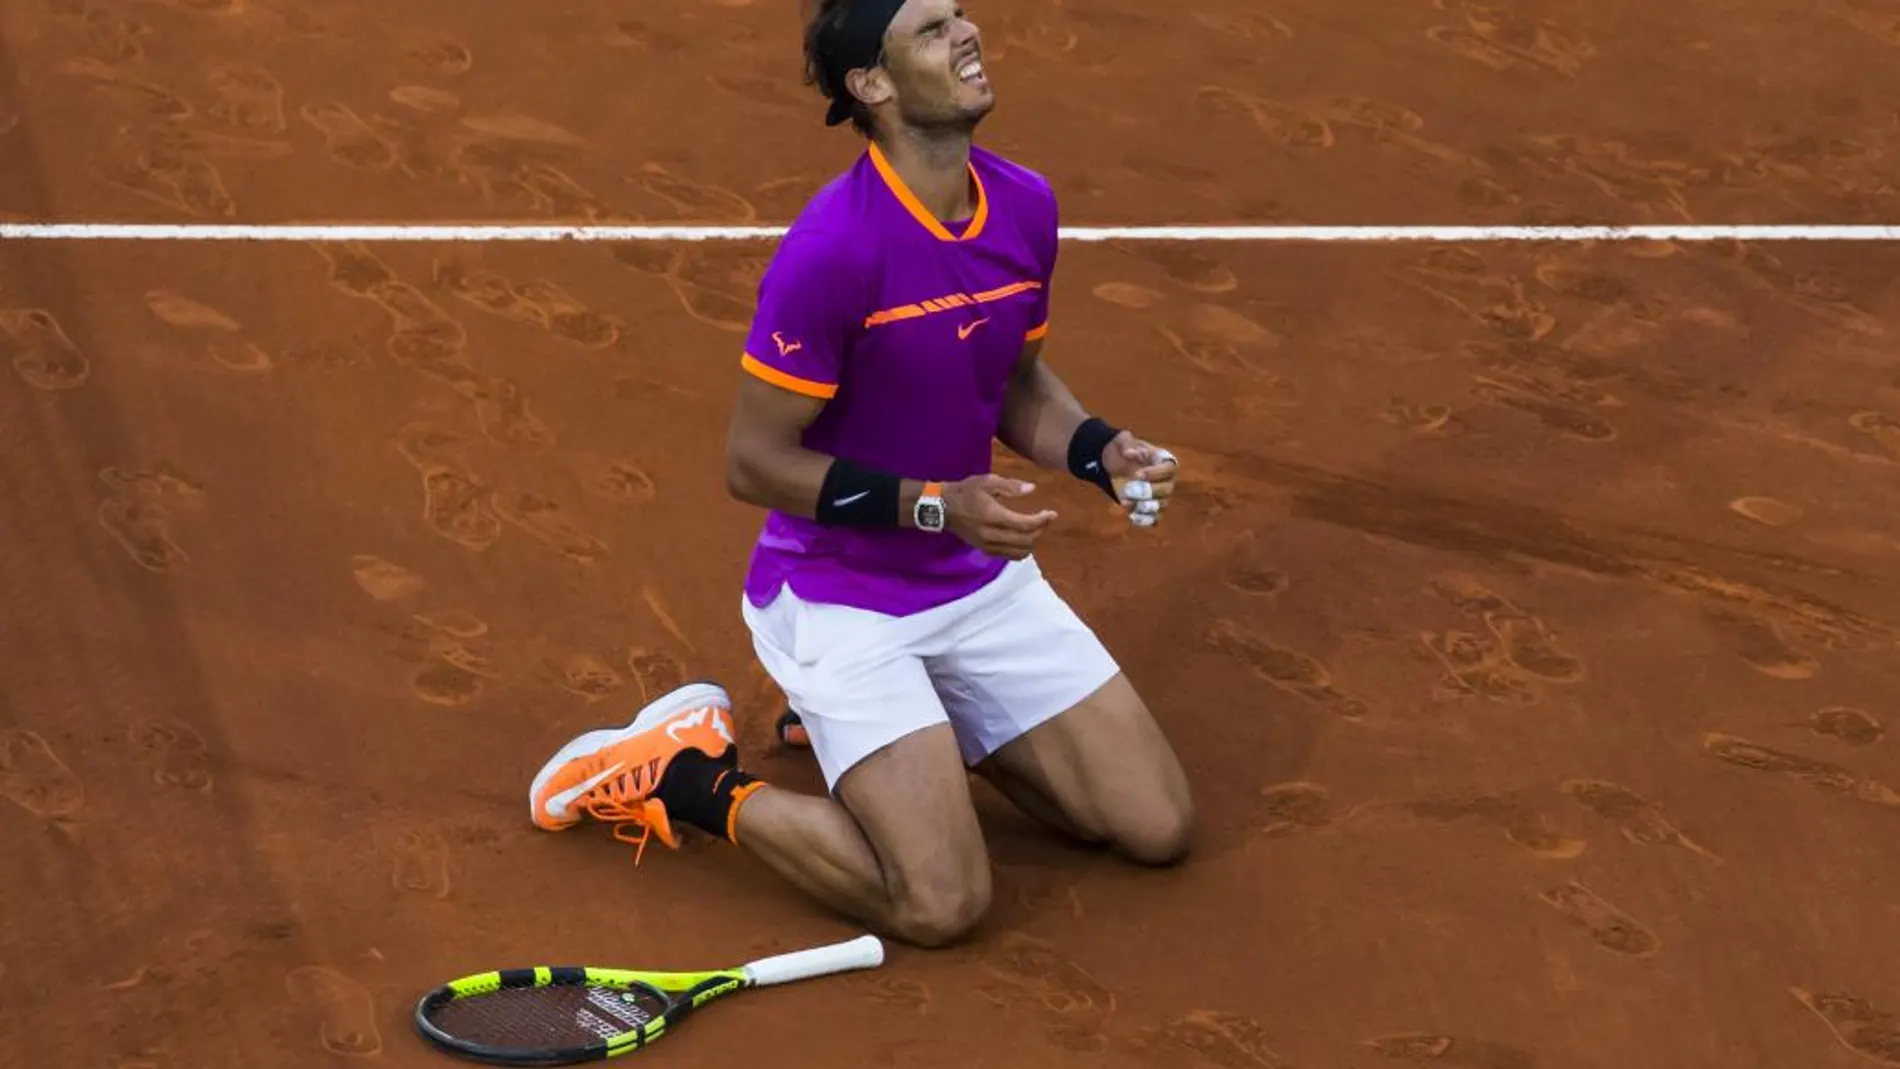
{"type": "Point", "coordinates": [682, 992]}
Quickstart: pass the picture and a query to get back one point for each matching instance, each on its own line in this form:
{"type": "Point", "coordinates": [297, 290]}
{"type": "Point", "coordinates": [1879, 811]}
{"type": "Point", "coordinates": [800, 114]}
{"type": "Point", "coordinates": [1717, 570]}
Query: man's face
{"type": "Point", "coordinates": [934, 58]}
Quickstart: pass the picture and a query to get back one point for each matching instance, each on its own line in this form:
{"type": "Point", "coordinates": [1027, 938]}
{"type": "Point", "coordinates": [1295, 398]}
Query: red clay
{"type": "Point", "coordinates": [1527, 618]}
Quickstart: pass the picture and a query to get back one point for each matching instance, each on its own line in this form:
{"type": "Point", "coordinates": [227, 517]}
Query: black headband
{"type": "Point", "coordinates": [859, 43]}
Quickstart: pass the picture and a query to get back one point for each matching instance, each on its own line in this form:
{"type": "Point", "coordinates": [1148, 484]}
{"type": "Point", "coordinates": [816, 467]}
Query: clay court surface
{"type": "Point", "coordinates": [1527, 618]}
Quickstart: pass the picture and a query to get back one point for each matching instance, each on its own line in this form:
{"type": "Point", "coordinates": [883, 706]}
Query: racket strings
{"type": "Point", "coordinates": [545, 1018]}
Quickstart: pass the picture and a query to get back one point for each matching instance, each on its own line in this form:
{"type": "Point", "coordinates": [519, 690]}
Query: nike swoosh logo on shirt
{"type": "Point", "coordinates": [964, 329]}
{"type": "Point", "coordinates": [559, 803]}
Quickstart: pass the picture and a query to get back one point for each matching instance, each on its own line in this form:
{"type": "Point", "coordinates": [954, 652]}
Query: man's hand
{"type": "Point", "coordinates": [1143, 474]}
{"type": "Point", "coordinates": [974, 512]}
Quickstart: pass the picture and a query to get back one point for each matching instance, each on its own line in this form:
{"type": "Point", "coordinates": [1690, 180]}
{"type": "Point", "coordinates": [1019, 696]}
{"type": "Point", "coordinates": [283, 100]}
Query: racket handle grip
{"type": "Point", "coordinates": [864, 952]}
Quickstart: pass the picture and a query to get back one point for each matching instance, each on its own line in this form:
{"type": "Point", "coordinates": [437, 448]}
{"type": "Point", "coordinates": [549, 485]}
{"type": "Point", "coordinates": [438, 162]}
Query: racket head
{"type": "Point", "coordinates": [562, 1015]}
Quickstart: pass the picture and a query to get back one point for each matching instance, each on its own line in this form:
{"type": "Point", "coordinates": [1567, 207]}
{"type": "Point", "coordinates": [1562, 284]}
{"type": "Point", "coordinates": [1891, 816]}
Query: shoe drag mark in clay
{"type": "Point", "coordinates": [40, 352]}
{"type": "Point", "coordinates": [343, 1011]}
{"type": "Point", "coordinates": [35, 778]}
{"type": "Point", "coordinates": [1288, 670]}
{"type": "Point", "coordinates": [1439, 1050]}
{"type": "Point", "coordinates": [137, 515]}
{"type": "Point", "coordinates": [1607, 925]}
{"type": "Point", "coordinates": [1821, 775]}
{"type": "Point", "coordinates": [1855, 1023]}
{"type": "Point", "coordinates": [1029, 974]}
{"type": "Point", "coordinates": [1639, 819]}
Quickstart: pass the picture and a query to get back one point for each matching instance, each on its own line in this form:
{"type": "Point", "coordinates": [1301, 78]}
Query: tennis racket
{"type": "Point", "coordinates": [569, 1014]}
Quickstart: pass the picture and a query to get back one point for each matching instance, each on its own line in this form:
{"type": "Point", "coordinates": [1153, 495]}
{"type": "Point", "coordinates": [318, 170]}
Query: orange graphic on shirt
{"type": "Point", "coordinates": [948, 302]}
{"type": "Point", "coordinates": [827, 390]}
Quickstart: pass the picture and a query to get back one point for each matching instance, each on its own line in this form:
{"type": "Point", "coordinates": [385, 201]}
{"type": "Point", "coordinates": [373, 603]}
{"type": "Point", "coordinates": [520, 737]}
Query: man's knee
{"type": "Point", "coordinates": [942, 912]}
{"type": "Point", "coordinates": [911, 799]}
{"type": "Point", "coordinates": [1106, 768]}
{"type": "Point", "coordinates": [1160, 833]}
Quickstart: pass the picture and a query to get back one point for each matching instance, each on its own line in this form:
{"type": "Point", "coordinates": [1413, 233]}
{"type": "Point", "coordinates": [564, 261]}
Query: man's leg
{"type": "Point", "coordinates": [898, 849]}
{"type": "Point", "coordinates": [897, 845]}
{"type": "Point", "coordinates": [1101, 771]}
{"type": "Point", "coordinates": [1046, 715]}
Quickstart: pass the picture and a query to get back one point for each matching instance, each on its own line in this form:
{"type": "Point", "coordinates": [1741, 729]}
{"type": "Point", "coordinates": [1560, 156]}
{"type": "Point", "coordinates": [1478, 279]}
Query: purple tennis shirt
{"type": "Point", "coordinates": [910, 330]}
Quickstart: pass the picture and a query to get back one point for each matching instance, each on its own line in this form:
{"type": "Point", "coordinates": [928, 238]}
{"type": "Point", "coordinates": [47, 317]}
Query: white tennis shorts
{"type": "Point", "coordinates": [994, 664]}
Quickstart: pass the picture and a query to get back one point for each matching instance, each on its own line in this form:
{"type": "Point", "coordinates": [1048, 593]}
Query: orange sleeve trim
{"type": "Point", "coordinates": [821, 390]}
{"type": "Point", "coordinates": [1037, 333]}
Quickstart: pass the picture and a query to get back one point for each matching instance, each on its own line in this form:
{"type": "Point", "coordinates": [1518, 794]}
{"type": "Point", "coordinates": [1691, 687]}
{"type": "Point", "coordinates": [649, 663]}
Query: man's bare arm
{"type": "Point", "coordinates": [766, 463]}
{"type": "Point", "coordinates": [1040, 415]}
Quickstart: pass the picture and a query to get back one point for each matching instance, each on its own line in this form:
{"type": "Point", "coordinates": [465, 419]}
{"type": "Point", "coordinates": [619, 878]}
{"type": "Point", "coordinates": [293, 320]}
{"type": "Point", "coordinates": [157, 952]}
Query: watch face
{"type": "Point", "coordinates": [930, 515]}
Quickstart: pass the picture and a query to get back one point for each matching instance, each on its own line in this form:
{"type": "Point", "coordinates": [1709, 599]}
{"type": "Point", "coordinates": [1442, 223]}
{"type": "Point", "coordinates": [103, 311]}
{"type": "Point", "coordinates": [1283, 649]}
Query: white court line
{"type": "Point", "coordinates": [541, 233]}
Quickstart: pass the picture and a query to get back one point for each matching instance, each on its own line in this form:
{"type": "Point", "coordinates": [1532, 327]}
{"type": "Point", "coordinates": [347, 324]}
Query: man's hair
{"type": "Point", "coordinates": [824, 20]}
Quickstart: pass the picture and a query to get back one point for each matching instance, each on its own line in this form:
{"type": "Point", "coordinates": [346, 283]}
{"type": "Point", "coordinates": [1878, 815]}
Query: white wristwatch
{"type": "Point", "coordinates": [928, 513]}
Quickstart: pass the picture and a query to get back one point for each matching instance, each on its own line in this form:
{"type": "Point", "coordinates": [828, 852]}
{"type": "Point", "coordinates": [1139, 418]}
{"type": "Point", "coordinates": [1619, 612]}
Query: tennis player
{"type": "Point", "coordinates": [893, 593]}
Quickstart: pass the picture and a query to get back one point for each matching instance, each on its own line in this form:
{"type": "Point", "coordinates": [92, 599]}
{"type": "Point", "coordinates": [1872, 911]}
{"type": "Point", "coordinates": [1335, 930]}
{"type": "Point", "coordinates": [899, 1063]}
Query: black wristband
{"type": "Point", "coordinates": [1085, 453]}
{"type": "Point", "coordinates": [853, 495]}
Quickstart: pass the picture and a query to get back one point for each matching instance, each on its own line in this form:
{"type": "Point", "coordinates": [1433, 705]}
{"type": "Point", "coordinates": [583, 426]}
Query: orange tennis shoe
{"type": "Point", "coordinates": [613, 774]}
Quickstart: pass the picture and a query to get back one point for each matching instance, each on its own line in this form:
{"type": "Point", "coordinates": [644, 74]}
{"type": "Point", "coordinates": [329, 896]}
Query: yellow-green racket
{"type": "Point", "coordinates": [568, 1014]}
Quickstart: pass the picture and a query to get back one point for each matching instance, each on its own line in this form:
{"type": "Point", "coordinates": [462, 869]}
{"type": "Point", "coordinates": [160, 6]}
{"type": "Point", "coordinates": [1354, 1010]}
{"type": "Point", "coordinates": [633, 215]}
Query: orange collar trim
{"type": "Point", "coordinates": [916, 207]}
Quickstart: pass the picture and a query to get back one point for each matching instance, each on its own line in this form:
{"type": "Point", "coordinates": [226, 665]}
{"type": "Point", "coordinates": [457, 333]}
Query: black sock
{"type": "Point", "coordinates": [703, 791]}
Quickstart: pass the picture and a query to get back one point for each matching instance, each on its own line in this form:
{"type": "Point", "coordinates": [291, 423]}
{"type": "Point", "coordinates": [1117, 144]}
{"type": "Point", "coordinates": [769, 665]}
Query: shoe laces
{"type": "Point", "coordinates": [614, 801]}
{"type": "Point", "coordinates": [627, 818]}
{"type": "Point", "coordinates": [639, 844]}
